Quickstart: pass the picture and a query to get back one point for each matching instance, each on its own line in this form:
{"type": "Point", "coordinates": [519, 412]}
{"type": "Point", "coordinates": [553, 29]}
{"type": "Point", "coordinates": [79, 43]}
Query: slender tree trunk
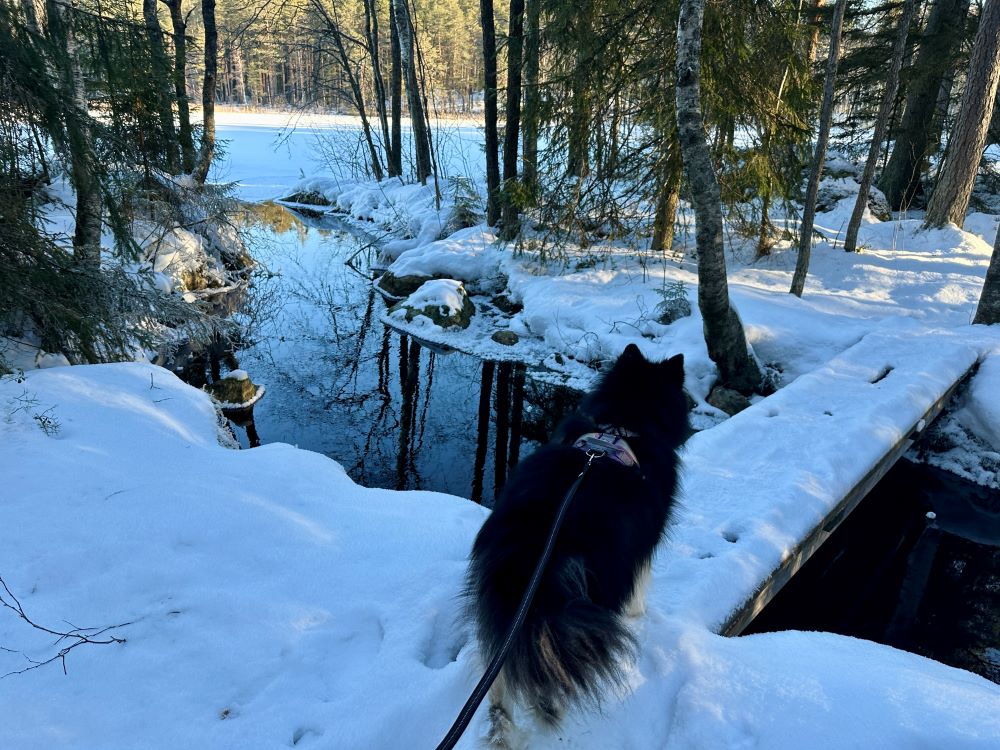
{"type": "Point", "coordinates": [988, 311]}
{"type": "Point", "coordinates": [371, 31]}
{"type": "Point", "coordinates": [80, 138]}
{"type": "Point", "coordinates": [881, 124]}
{"type": "Point", "coordinates": [334, 29]}
{"type": "Point", "coordinates": [951, 195]}
{"type": "Point", "coordinates": [915, 138]}
{"type": "Point", "coordinates": [418, 123]}
{"type": "Point", "coordinates": [395, 96]}
{"type": "Point", "coordinates": [724, 335]}
{"type": "Point", "coordinates": [207, 152]}
{"type": "Point", "coordinates": [184, 135]}
{"type": "Point", "coordinates": [510, 223]}
{"type": "Point", "coordinates": [822, 137]}
{"type": "Point", "coordinates": [578, 136]}
{"type": "Point", "coordinates": [163, 78]}
{"type": "Point", "coordinates": [815, 21]}
{"type": "Point", "coordinates": [490, 112]}
{"type": "Point", "coordinates": [666, 203]}
{"type": "Point", "coordinates": [530, 111]}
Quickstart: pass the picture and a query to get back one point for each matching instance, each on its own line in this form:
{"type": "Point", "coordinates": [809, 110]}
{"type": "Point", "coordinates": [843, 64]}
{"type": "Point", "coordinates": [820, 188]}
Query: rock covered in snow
{"type": "Point", "coordinates": [440, 302]}
{"type": "Point", "coordinates": [832, 190]}
{"type": "Point", "coordinates": [182, 255]}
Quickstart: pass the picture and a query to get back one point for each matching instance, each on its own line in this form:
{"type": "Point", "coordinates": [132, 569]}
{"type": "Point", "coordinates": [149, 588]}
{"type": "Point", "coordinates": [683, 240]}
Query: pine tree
{"type": "Point", "coordinates": [950, 199]}
{"type": "Point", "coordinates": [816, 171]}
{"type": "Point", "coordinates": [917, 137]}
{"type": "Point", "coordinates": [881, 124]}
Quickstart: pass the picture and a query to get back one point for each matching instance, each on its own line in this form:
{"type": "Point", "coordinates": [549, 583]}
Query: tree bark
{"type": "Point", "coordinates": [371, 32]}
{"type": "Point", "coordinates": [822, 137]}
{"type": "Point", "coordinates": [207, 152]}
{"type": "Point", "coordinates": [80, 138]}
{"type": "Point", "coordinates": [950, 199]}
{"type": "Point", "coordinates": [578, 135]}
{"type": "Point", "coordinates": [666, 203]}
{"type": "Point", "coordinates": [724, 335]}
{"type": "Point", "coordinates": [915, 138]}
{"type": "Point", "coordinates": [815, 21]}
{"type": "Point", "coordinates": [162, 83]}
{"type": "Point", "coordinates": [988, 310]}
{"type": "Point", "coordinates": [881, 124]}
{"type": "Point", "coordinates": [530, 111]}
{"type": "Point", "coordinates": [418, 123]}
{"type": "Point", "coordinates": [509, 223]}
{"type": "Point", "coordinates": [490, 112]}
{"type": "Point", "coordinates": [395, 96]}
{"type": "Point", "coordinates": [184, 134]}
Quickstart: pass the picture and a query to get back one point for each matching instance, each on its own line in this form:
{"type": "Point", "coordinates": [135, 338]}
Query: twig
{"type": "Point", "coordinates": [77, 635]}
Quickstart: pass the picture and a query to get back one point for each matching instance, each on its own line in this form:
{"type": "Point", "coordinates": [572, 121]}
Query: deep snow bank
{"type": "Point", "coordinates": [273, 602]}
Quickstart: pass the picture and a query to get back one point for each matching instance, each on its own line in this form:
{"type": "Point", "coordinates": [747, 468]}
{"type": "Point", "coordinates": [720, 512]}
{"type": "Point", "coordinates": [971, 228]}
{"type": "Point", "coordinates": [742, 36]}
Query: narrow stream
{"type": "Point", "coordinates": [394, 413]}
{"type": "Point", "coordinates": [891, 573]}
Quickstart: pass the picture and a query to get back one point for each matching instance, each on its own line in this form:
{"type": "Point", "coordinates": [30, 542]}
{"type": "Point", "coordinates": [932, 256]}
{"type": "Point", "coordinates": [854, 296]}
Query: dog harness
{"type": "Point", "coordinates": [611, 443]}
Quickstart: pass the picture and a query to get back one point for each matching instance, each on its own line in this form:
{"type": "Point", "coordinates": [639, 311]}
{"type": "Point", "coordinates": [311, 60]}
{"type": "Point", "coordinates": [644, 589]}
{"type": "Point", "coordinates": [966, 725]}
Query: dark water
{"type": "Point", "coordinates": [394, 413]}
{"type": "Point", "coordinates": [891, 574]}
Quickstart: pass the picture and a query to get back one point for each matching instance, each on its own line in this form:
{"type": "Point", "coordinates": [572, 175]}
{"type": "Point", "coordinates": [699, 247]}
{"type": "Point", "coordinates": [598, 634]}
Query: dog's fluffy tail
{"type": "Point", "coordinates": [569, 650]}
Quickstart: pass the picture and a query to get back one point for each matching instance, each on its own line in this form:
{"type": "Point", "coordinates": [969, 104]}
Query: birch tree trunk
{"type": "Point", "coordinates": [490, 111]}
{"type": "Point", "coordinates": [881, 124]}
{"type": "Point", "coordinates": [207, 151]}
{"type": "Point", "coordinates": [988, 311]}
{"type": "Point", "coordinates": [724, 335]}
{"type": "Point", "coordinates": [822, 137]}
{"type": "Point", "coordinates": [335, 31]}
{"type": "Point", "coordinates": [950, 199]}
{"type": "Point", "coordinates": [512, 121]}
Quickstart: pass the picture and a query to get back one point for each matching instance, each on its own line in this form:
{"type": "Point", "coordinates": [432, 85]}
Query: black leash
{"type": "Point", "coordinates": [465, 715]}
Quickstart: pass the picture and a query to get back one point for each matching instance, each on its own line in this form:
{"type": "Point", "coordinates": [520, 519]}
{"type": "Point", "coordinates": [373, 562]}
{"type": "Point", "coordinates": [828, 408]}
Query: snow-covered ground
{"type": "Point", "coordinates": [271, 602]}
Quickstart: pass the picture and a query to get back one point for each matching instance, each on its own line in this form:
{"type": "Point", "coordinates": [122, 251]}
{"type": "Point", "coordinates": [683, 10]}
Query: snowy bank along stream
{"type": "Point", "coordinates": [401, 415]}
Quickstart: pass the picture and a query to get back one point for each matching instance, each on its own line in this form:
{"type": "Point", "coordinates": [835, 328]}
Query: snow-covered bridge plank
{"type": "Point", "coordinates": [765, 489]}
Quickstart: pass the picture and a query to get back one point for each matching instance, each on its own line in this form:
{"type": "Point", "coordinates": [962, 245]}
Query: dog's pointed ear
{"type": "Point", "coordinates": [673, 369]}
{"type": "Point", "coordinates": [632, 353]}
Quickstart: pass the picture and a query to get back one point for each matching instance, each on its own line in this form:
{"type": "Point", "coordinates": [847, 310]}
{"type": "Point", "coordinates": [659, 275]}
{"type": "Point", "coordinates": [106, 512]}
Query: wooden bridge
{"type": "Point", "coordinates": [763, 490]}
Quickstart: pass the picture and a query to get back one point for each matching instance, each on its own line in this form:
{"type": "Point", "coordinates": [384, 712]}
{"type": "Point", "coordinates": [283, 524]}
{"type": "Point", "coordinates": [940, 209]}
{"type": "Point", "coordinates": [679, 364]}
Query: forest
{"type": "Point", "coordinates": [589, 132]}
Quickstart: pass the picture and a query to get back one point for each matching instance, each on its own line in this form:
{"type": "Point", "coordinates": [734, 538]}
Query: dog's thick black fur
{"type": "Point", "coordinates": [574, 639]}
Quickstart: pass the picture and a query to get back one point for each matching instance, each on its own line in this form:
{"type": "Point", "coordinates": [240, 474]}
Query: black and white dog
{"type": "Point", "coordinates": [575, 643]}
